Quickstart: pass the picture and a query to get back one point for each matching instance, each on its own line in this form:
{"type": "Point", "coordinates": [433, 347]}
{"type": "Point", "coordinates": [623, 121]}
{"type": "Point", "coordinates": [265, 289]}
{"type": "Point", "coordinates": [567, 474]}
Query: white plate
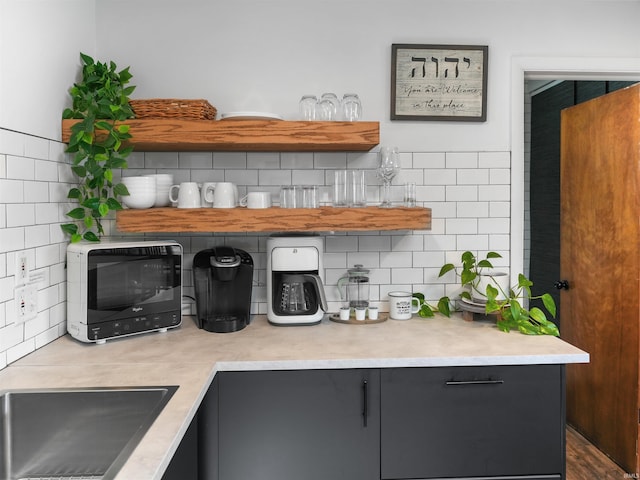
{"type": "Point", "coordinates": [471, 302]}
{"type": "Point", "coordinates": [250, 116]}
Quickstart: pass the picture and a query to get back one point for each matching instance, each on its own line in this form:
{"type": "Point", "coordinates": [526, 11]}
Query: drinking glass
{"type": "Point", "coordinates": [351, 107]}
{"type": "Point", "coordinates": [388, 167]}
{"type": "Point", "coordinates": [327, 107]}
{"type": "Point", "coordinates": [308, 107]}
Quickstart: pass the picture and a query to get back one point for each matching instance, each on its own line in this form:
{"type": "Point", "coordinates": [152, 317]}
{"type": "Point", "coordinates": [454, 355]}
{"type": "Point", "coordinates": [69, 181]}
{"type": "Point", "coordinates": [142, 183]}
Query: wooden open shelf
{"type": "Point", "coordinates": [273, 219]}
{"type": "Point", "coordinates": [247, 135]}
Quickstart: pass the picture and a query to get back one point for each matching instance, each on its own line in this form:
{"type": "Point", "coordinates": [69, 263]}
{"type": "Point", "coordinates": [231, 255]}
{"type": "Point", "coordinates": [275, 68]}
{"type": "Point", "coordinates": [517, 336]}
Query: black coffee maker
{"type": "Point", "coordinates": [223, 277]}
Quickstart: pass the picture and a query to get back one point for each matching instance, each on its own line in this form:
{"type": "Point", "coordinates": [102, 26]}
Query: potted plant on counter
{"type": "Point", "coordinates": [100, 100]}
{"type": "Point", "coordinates": [479, 277]}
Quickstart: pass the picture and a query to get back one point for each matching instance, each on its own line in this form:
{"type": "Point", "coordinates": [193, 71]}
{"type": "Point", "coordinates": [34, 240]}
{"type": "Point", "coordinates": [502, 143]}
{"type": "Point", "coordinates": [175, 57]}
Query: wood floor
{"type": "Point", "coordinates": [586, 462]}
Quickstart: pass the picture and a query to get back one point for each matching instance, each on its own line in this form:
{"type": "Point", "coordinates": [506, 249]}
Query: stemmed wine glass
{"type": "Point", "coordinates": [388, 168]}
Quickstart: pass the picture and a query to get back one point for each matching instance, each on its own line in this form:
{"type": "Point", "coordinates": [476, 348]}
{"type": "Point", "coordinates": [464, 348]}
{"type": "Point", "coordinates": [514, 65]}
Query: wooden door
{"type": "Point", "coordinates": [600, 251]}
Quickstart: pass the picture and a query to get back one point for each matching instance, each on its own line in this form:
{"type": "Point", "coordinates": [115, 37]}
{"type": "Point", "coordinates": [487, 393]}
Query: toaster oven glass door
{"type": "Point", "coordinates": [133, 281]}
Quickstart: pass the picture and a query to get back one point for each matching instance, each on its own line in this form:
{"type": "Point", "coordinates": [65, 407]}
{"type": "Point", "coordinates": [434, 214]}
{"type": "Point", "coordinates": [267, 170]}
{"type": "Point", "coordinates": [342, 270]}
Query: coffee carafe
{"type": "Point", "coordinates": [354, 287]}
{"type": "Point", "coordinates": [295, 292]}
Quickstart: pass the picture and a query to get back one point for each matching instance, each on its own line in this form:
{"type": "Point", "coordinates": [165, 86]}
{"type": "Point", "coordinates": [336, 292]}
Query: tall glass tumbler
{"type": "Point", "coordinates": [340, 185]}
{"type": "Point", "coordinates": [357, 190]}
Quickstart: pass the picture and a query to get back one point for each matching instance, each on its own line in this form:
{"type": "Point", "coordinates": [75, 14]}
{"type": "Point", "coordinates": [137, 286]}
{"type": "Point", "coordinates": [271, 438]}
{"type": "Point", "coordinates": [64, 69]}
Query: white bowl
{"type": "Point", "coordinates": [139, 201]}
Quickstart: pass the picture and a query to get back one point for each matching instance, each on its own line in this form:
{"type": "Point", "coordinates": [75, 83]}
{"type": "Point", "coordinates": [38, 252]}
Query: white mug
{"type": "Point", "coordinates": [206, 199]}
{"type": "Point", "coordinates": [188, 195]}
{"type": "Point", "coordinates": [225, 195]}
{"type": "Point", "coordinates": [402, 305]}
{"type": "Point", "coordinates": [256, 200]}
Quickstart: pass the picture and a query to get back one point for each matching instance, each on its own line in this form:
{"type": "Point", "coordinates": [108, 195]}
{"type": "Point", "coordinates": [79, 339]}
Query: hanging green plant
{"type": "Point", "coordinates": [100, 100]}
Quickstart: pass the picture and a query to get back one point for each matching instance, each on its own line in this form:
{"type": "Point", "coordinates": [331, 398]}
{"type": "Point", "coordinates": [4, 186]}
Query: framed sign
{"type": "Point", "coordinates": [439, 82]}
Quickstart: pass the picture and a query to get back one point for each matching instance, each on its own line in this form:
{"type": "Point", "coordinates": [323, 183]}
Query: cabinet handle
{"type": "Point", "coordinates": [455, 383]}
{"type": "Point", "coordinates": [365, 402]}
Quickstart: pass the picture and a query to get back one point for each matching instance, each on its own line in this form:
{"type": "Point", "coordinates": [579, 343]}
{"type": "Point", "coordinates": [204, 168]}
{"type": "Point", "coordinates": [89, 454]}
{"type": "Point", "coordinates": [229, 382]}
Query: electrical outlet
{"type": "Point", "coordinates": [26, 303]}
{"type": "Point", "coordinates": [22, 268]}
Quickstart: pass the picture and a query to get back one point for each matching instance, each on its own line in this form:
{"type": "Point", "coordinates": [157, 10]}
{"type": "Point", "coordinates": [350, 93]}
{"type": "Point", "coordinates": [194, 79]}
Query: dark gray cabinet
{"type": "Point", "coordinates": [477, 423]}
{"type": "Point", "coordinates": [311, 424]}
{"type": "Point", "coordinates": [480, 422]}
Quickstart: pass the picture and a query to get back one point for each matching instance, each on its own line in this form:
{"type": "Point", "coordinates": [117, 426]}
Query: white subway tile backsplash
{"type": "Point", "coordinates": [380, 243]}
{"type": "Point", "coordinates": [330, 160]}
{"type": "Point", "coordinates": [157, 159]}
{"type": "Point", "coordinates": [11, 191]}
{"type": "Point", "coordinates": [12, 143]}
{"type": "Point", "coordinates": [307, 177]}
{"type": "Point", "coordinates": [20, 168]}
{"type": "Point", "coordinates": [396, 259]}
{"type": "Point", "coordinates": [263, 160]}
{"type": "Point", "coordinates": [468, 192]}
{"type": "Point", "coordinates": [464, 193]}
{"type": "Point", "coordinates": [461, 226]}
{"type": "Point", "coordinates": [494, 192]}
{"type": "Point", "coordinates": [11, 239]}
{"type": "Point", "coordinates": [407, 243]}
{"type": "Point", "coordinates": [335, 243]}
{"type": "Point", "coordinates": [440, 176]}
{"type": "Point", "coordinates": [499, 209]}
{"type": "Point", "coordinates": [36, 192]}
{"type": "Point", "coordinates": [472, 209]}
{"type": "Point", "coordinates": [36, 147]}
{"type": "Point", "coordinates": [461, 160]}
{"type": "Point", "coordinates": [473, 176]}
{"type": "Point", "coordinates": [240, 177]}
{"type": "Point", "coordinates": [296, 160]}
{"type": "Point", "coordinates": [494, 159]}
{"type": "Point", "coordinates": [274, 177]}
{"type": "Point", "coordinates": [21, 214]}
{"type": "Point", "coordinates": [47, 255]}
{"type": "Point", "coordinates": [500, 176]}
{"type": "Point", "coordinates": [229, 160]}
{"type": "Point", "coordinates": [407, 275]}
{"type": "Point", "coordinates": [46, 171]}
{"type": "Point", "coordinates": [429, 160]}
{"type": "Point", "coordinates": [472, 242]}
{"type": "Point", "coordinates": [192, 160]}
{"type": "Point", "coordinates": [493, 225]}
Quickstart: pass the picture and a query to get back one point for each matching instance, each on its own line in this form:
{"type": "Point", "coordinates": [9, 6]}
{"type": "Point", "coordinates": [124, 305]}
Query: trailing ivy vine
{"type": "Point", "coordinates": [101, 103]}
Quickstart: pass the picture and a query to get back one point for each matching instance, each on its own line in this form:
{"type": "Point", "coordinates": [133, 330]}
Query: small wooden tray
{"type": "Point", "coordinates": [335, 317]}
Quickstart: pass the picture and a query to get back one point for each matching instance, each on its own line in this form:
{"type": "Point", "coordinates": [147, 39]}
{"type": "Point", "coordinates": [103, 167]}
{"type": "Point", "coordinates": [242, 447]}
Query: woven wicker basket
{"type": "Point", "coordinates": [173, 108]}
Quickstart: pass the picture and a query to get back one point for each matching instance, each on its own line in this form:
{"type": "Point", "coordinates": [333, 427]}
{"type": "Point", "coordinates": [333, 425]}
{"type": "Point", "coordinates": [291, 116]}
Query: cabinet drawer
{"type": "Point", "coordinates": [472, 422]}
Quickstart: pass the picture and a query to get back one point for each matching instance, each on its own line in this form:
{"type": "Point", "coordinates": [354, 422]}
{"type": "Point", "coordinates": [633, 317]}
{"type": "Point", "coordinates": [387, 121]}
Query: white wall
{"type": "Point", "coordinates": [39, 45]}
{"type": "Point", "coordinates": [263, 55]}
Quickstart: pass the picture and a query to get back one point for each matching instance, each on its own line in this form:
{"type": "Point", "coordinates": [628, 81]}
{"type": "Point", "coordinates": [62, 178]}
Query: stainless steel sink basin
{"type": "Point", "coordinates": [74, 433]}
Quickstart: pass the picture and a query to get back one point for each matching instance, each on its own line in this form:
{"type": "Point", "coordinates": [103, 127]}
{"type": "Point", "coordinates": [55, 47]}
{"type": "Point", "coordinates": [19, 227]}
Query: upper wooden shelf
{"type": "Point", "coordinates": [247, 135]}
{"type": "Point", "coordinates": [275, 219]}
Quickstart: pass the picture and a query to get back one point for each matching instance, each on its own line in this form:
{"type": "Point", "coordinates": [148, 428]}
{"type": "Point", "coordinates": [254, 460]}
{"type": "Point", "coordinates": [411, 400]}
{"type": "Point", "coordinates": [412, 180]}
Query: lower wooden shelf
{"type": "Point", "coordinates": [273, 219]}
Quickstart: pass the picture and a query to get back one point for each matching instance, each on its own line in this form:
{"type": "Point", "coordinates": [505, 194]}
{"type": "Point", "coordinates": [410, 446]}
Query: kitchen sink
{"type": "Point", "coordinates": [74, 433]}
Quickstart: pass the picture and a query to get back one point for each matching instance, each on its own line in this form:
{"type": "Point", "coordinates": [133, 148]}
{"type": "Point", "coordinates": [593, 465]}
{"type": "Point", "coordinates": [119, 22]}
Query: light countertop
{"type": "Point", "coordinates": [189, 357]}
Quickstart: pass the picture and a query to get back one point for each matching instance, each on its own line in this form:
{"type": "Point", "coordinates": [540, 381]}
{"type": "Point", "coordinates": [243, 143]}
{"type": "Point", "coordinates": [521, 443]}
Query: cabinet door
{"type": "Point", "coordinates": [312, 425]}
{"type": "Point", "coordinates": [472, 421]}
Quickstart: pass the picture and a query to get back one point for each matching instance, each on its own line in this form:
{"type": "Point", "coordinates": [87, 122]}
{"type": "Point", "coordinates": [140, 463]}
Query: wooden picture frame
{"type": "Point", "coordinates": [439, 82]}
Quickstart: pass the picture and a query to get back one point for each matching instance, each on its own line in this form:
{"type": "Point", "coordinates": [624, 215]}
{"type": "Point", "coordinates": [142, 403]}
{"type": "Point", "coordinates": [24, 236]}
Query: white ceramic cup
{"type": "Point", "coordinates": [256, 200]}
{"type": "Point", "coordinates": [207, 198]}
{"type": "Point", "coordinates": [361, 313]}
{"type": "Point", "coordinates": [402, 305]}
{"type": "Point", "coordinates": [188, 195]}
{"type": "Point", "coordinates": [222, 195]}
